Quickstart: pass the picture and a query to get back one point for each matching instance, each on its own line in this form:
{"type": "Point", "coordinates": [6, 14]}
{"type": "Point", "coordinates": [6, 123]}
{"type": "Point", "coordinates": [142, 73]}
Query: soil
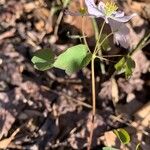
{"type": "Point", "coordinates": [51, 110]}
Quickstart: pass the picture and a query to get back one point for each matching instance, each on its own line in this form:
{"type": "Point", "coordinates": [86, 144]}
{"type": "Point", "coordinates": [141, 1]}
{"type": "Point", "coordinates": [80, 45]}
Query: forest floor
{"type": "Point", "coordinates": [51, 110]}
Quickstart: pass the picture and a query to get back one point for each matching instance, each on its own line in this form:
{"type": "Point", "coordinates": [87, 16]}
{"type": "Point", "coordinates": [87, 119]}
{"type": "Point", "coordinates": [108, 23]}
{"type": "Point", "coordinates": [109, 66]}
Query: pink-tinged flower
{"type": "Point", "coordinates": [116, 19]}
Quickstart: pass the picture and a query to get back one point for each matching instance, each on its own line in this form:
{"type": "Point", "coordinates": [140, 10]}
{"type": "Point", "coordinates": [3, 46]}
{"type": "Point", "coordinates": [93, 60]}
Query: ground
{"type": "Point", "coordinates": [51, 110]}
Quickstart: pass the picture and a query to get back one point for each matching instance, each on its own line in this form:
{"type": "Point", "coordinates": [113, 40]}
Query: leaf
{"type": "Point", "coordinates": [109, 148]}
{"type": "Point", "coordinates": [65, 2]}
{"type": "Point", "coordinates": [43, 59]}
{"type": "Point", "coordinates": [73, 59]}
{"type": "Point", "coordinates": [86, 60]}
{"type": "Point", "coordinates": [120, 65]}
{"type": "Point", "coordinates": [130, 64]}
{"type": "Point", "coordinates": [138, 146]}
{"type": "Point", "coordinates": [126, 65]}
{"type": "Point", "coordinates": [123, 135]}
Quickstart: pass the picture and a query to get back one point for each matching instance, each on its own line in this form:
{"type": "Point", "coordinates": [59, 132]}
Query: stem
{"type": "Point", "coordinates": [83, 34]}
{"type": "Point", "coordinates": [101, 58]}
{"type": "Point", "coordinates": [96, 29]}
{"type": "Point", "coordinates": [112, 55]}
{"type": "Point", "coordinates": [93, 80]}
{"type": "Point", "coordinates": [141, 44]}
{"type": "Point", "coordinates": [58, 22]}
{"type": "Point", "coordinates": [99, 37]}
{"type": "Point", "coordinates": [93, 86]}
{"type": "Point", "coordinates": [102, 66]}
{"type": "Point", "coordinates": [101, 30]}
{"type": "Point", "coordinates": [93, 103]}
{"type": "Point", "coordinates": [96, 50]}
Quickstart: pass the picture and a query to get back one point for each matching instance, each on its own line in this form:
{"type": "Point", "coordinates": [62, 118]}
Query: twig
{"type": "Point", "coordinates": [67, 96]}
{"type": "Point", "coordinates": [7, 34]}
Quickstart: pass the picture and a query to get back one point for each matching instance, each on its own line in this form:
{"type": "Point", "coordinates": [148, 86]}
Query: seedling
{"type": "Point", "coordinates": [79, 56]}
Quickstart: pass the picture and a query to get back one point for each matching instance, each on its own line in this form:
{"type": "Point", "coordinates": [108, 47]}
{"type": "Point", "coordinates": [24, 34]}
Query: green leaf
{"type": "Point", "coordinates": [126, 65]}
{"type": "Point", "coordinates": [65, 3]}
{"type": "Point", "coordinates": [73, 59]}
{"type": "Point", "coordinates": [138, 146]}
{"type": "Point", "coordinates": [109, 148]}
{"type": "Point", "coordinates": [130, 64]}
{"type": "Point", "coordinates": [86, 60]}
{"type": "Point", "coordinates": [120, 65]}
{"type": "Point", "coordinates": [43, 59]}
{"type": "Point", "coordinates": [123, 135]}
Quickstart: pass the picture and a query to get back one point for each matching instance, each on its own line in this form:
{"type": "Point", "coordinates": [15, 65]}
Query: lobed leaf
{"type": "Point", "coordinates": [126, 65]}
{"type": "Point", "coordinates": [43, 59]}
{"type": "Point", "coordinates": [120, 65]}
{"type": "Point", "coordinates": [130, 64]}
{"type": "Point", "coordinates": [73, 59]}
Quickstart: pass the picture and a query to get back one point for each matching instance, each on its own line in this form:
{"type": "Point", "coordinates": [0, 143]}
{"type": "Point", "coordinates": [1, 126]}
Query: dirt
{"type": "Point", "coordinates": [52, 110]}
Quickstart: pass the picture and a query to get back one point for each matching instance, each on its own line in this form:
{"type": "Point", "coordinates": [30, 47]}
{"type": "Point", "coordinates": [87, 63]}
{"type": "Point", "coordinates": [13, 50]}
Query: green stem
{"type": "Point", "coordinates": [141, 44]}
{"type": "Point", "coordinates": [93, 85]}
{"type": "Point", "coordinates": [112, 55]}
{"type": "Point", "coordinates": [96, 50]}
{"type": "Point", "coordinates": [99, 37]}
{"type": "Point", "coordinates": [93, 103]}
{"type": "Point", "coordinates": [101, 58]}
{"type": "Point", "coordinates": [95, 28]}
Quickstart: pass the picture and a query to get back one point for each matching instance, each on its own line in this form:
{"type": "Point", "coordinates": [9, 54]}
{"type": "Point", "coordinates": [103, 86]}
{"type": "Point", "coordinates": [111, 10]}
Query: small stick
{"type": "Point", "coordinates": [7, 34]}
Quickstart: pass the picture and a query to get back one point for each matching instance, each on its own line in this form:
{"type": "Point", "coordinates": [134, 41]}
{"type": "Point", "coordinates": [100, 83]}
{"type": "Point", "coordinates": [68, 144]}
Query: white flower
{"type": "Point", "coordinates": [116, 19]}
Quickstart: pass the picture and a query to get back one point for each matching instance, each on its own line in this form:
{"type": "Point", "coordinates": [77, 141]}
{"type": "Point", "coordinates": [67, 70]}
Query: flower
{"type": "Point", "coordinates": [114, 18]}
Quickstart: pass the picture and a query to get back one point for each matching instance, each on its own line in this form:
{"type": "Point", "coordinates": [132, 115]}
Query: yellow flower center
{"type": "Point", "coordinates": [110, 8]}
{"type": "Point", "coordinates": [82, 11]}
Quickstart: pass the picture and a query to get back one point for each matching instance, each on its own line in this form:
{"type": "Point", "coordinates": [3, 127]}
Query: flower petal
{"type": "Point", "coordinates": [124, 18]}
{"type": "Point", "coordinates": [91, 2]}
{"type": "Point", "coordinates": [119, 14]}
{"type": "Point", "coordinates": [121, 32]}
{"type": "Point", "coordinates": [93, 9]}
{"type": "Point", "coordinates": [101, 7]}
